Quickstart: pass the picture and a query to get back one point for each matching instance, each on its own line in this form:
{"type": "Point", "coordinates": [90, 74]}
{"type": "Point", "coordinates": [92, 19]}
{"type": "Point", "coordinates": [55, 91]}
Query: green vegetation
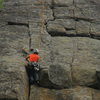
{"type": "Point", "coordinates": [1, 3]}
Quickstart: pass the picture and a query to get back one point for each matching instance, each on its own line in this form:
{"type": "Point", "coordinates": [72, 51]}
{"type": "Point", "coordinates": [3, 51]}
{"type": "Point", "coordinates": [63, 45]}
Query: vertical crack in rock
{"type": "Point", "coordinates": [29, 32]}
{"type": "Point", "coordinates": [30, 39]}
{"type": "Point", "coordinates": [74, 16]}
{"type": "Point", "coordinates": [92, 95]}
{"type": "Point", "coordinates": [91, 35]}
{"type": "Point", "coordinates": [52, 7]}
{"type": "Point", "coordinates": [42, 23]}
{"type": "Point", "coordinates": [90, 26]}
{"type": "Point", "coordinates": [75, 46]}
{"type": "Point", "coordinates": [29, 47]}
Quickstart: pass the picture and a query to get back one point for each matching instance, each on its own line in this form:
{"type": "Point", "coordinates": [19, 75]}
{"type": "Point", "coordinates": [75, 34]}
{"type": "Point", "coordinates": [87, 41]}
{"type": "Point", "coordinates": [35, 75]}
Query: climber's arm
{"type": "Point", "coordinates": [27, 58]}
{"type": "Point", "coordinates": [25, 51]}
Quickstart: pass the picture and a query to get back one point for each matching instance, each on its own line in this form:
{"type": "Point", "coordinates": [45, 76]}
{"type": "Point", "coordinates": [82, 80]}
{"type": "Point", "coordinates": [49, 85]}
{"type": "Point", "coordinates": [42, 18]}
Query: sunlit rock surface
{"type": "Point", "coordinates": [67, 34]}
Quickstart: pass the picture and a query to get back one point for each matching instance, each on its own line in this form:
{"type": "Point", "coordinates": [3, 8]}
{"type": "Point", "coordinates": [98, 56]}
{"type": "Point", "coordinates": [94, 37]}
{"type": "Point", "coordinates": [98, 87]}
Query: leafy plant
{"type": "Point", "coordinates": [1, 3]}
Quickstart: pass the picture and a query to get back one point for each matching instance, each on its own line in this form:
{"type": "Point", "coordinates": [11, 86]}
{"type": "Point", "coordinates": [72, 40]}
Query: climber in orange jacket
{"type": "Point", "coordinates": [33, 59]}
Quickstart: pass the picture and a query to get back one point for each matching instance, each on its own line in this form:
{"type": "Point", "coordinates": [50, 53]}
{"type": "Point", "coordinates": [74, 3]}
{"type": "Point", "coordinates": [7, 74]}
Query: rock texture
{"type": "Point", "coordinates": [67, 33]}
{"type": "Point", "coordinates": [77, 93]}
{"type": "Point", "coordinates": [13, 37]}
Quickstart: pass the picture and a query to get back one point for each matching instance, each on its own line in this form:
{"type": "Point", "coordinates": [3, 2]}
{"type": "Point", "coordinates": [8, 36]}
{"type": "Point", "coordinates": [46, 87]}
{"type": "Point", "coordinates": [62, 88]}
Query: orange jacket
{"type": "Point", "coordinates": [34, 58]}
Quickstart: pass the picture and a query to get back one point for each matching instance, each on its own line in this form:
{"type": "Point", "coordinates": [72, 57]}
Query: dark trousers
{"type": "Point", "coordinates": [33, 74]}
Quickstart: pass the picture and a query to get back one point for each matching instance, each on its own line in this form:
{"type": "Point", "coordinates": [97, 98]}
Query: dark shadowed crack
{"type": "Point", "coordinates": [18, 23]}
{"type": "Point", "coordinates": [84, 19]}
{"type": "Point", "coordinates": [75, 18]}
{"type": "Point", "coordinates": [92, 96]}
{"type": "Point", "coordinates": [52, 8]}
{"type": "Point", "coordinates": [91, 35]}
{"type": "Point", "coordinates": [95, 86]}
{"type": "Point", "coordinates": [64, 34]}
{"type": "Point", "coordinates": [30, 39]}
{"type": "Point", "coordinates": [59, 5]}
{"type": "Point", "coordinates": [68, 29]}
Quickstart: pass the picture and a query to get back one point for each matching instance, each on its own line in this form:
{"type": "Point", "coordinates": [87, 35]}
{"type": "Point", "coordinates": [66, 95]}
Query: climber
{"type": "Point", "coordinates": [33, 59]}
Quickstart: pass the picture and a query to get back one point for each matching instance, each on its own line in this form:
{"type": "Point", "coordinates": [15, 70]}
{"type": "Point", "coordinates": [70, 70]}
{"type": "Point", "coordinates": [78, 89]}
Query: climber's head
{"type": "Point", "coordinates": [36, 51]}
{"type": "Point", "coordinates": [32, 50]}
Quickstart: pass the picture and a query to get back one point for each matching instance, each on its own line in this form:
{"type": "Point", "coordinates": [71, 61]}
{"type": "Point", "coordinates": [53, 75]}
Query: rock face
{"type": "Point", "coordinates": [77, 93]}
{"type": "Point", "coordinates": [67, 33]}
{"type": "Point", "coordinates": [13, 37]}
{"type": "Point", "coordinates": [13, 80]}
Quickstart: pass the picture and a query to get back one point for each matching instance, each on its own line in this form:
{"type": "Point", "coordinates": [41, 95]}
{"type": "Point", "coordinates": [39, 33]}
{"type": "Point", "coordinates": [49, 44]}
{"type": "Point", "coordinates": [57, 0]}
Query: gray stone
{"type": "Point", "coordinates": [78, 93]}
{"type": "Point", "coordinates": [63, 12]}
{"type": "Point", "coordinates": [84, 75]}
{"type": "Point", "coordinates": [82, 12]}
{"type": "Point", "coordinates": [60, 75]}
{"type": "Point", "coordinates": [44, 79]}
{"type": "Point", "coordinates": [95, 11]}
{"type": "Point", "coordinates": [14, 80]}
{"type": "Point", "coordinates": [96, 95]}
{"type": "Point", "coordinates": [65, 61]}
{"type": "Point", "coordinates": [81, 94]}
{"type": "Point", "coordinates": [63, 2]}
{"type": "Point", "coordinates": [51, 94]}
{"type": "Point", "coordinates": [95, 29]}
{"type": "Point", "coordinates": [83, 28]}
{"type": "Point", "coordinates": [61, 27]}
{"type": "Point", "coordinates": [13, 37]}
{"type": "Point", "coordinates": [80, 54]}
